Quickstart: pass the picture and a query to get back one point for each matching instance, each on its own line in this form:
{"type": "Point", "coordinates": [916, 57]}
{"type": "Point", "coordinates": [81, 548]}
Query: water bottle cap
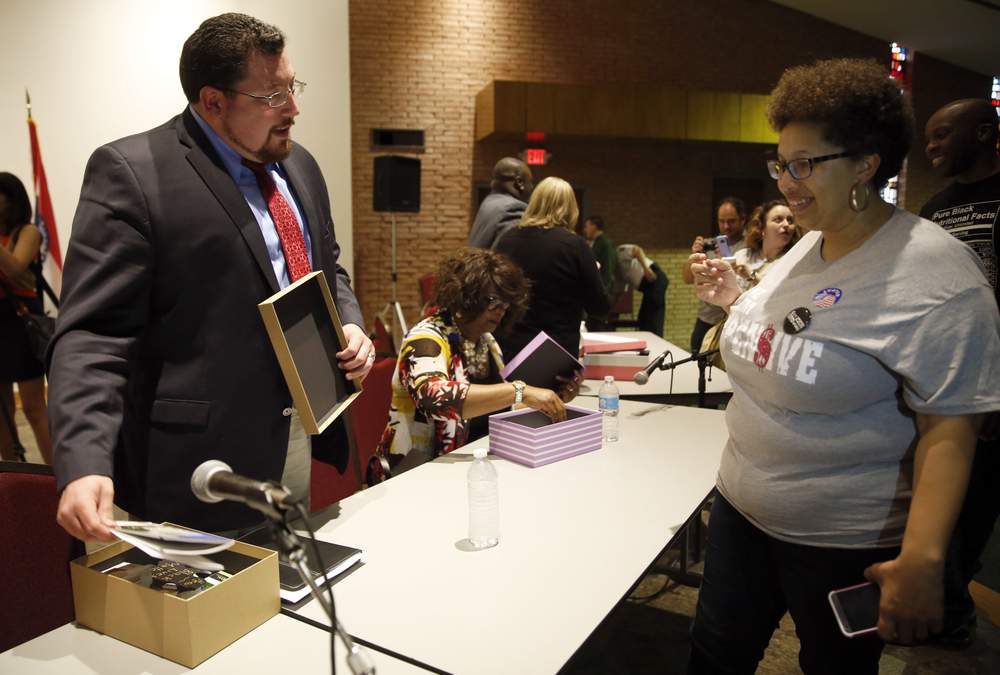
{"type": "Point", "coordinates": [609, 378]}
{"type": "Point", "coordinates": [480, 452]}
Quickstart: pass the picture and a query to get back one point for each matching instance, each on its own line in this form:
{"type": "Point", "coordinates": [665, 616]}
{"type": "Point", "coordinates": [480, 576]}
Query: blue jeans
{"type": "Point", "coordinates": [751, 579]}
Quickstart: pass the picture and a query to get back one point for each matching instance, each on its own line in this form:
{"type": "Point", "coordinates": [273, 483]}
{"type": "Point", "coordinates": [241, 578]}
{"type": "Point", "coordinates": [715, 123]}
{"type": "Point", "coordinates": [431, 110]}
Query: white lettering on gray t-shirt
{"type": "Point", "coordinates": [822, 421]}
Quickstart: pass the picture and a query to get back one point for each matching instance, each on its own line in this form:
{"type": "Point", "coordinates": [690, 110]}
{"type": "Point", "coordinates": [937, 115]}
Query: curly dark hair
{"type": "Point", "coordinates": [856, 104]}
{"type": "Point", "coordinates": [466, 280]}
{"type": "Point", "coordinates": [216, 54]}
{"type": "Point", "coordinates": [755, 227]}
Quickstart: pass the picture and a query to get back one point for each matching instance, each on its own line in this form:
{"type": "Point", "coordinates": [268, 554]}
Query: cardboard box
{"type": "Point", "coordinates": [186, 631]}
{"type": "Point", "coordinates": [528, 437]}
{"type": "Point", "coordinates": [306, 333]}
{"type": "Point", "coordinates": [621, 366]}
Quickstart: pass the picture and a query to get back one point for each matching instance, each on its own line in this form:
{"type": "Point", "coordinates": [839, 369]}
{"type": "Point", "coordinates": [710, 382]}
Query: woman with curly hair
{"type": "Point", "coordinates": [771, 233]}
{"type": "Point", "coordinates": [861, 366]}
{"type": "Point", "coordinates": [448, 371]}
{"type": "Point", "coordinates": [563, 272]}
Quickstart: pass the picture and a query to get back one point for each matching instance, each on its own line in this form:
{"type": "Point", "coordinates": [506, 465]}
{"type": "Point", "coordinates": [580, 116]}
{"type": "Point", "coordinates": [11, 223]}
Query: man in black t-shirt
{"type": "Point", "coordinates": [962, 144]}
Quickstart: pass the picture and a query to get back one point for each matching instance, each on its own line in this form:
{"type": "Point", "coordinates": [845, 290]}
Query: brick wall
{"type": "Point", "coordinates": [420, 63]}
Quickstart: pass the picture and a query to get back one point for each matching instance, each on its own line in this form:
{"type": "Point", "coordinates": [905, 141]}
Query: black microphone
{"type": "Point", "coordinates": [214, 481]}
{"type": "Point", "coordinates": [642, 377]}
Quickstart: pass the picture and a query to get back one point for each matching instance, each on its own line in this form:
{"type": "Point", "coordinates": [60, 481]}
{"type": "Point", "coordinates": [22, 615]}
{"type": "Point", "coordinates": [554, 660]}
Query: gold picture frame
{"type": "Point", "coordinates": [305, 331]}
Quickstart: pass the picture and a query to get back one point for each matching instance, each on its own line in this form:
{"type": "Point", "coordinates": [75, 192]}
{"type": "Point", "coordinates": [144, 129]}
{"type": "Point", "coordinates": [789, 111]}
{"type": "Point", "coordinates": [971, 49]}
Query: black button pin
{"type": "Point", "coordinates": [797, 320]}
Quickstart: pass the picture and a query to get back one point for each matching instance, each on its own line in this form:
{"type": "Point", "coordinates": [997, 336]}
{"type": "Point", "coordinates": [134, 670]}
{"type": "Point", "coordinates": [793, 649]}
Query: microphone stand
{"type": "Point", "coordinates": [704, 360]}
{"type": "Point", "coordinates": [290, 548]}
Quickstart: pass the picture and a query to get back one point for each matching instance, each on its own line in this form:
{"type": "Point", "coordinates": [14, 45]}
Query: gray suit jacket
{"type": "Point", "coordinates": [498, 212]}
{"type": "Point", "coordinates": [160, 358]}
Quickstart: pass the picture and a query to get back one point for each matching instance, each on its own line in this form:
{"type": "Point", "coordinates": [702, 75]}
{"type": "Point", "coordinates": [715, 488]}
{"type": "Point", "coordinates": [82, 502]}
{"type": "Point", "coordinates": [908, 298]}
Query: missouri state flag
{"type": "Point", "coordinates": [45, 219]}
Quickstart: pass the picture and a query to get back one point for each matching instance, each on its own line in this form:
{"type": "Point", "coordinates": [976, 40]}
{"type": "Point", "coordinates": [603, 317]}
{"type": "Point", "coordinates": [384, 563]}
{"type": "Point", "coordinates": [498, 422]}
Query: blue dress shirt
{"type": "Point", "coordinates": [247, 183]}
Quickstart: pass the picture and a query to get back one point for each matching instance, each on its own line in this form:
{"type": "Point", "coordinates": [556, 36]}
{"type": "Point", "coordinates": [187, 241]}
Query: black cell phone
{"type": "Point", "coordinates": [856, 609]}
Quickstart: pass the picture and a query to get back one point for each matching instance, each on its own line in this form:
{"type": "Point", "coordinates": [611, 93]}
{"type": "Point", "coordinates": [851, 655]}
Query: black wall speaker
{"type": "Point", "coordinates": [397, 184]}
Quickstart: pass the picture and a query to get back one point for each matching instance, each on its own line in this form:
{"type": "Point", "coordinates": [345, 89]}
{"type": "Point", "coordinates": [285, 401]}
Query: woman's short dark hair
{"type": "Point", "coordinates": [216, 54]}
{"type": "Point", "coordinates": [18, 210]}
{"type": "Point", "coordinates": [466, 281]}
{"type": "Point", "coordinates": [755, 227]}
{"type": "Point", "coordinates": [855, 103]}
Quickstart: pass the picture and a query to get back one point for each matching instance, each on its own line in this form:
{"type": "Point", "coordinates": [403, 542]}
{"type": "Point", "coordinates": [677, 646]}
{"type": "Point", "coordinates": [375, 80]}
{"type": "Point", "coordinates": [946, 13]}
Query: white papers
{"type": "Point", "coordinates": [173, 543]}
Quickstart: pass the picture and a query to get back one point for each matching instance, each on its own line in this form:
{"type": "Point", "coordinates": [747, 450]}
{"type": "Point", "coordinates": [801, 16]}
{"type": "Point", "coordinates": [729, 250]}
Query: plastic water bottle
{"type": "Point", "coordinates": [484, 505]}
{"type": "Point", "coordinates": [607, 397]}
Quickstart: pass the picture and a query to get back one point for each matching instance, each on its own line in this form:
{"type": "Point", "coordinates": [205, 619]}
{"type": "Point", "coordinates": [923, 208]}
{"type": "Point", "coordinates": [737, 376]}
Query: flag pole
{"type": "Point", "coordinates": [27, 101]}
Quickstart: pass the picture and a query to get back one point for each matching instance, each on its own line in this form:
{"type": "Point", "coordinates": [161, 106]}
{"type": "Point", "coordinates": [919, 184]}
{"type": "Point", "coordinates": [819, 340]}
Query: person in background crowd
{"type": "Point", "coordinates": [731, 215]}
{"type": "Point", "coordinates": [509, 191]}
{"type": "Point", "coordinates": [607, 257]}
{"type": "Point", "coordinates": [565, 281]}
{"type": "Point", "coordinates": [962, 145]}
{"type": "Point", "coordinates": [645, 275]}
{"type": "Point", "coordinates": [770, 234]}
{"type": "Point", "coordinates": [160, 359]}
{"type": "Point", "coordinates": [851, 431]}
{"type": "Point", "coordinates": [448, 371]}
{"type": "Point", "coordinates": [20, 242]}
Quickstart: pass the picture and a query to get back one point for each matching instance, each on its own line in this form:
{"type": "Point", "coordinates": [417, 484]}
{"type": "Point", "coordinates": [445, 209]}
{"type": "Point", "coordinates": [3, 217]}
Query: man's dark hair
{"type": "Point", "coordinates": [466, 280]}
{"type": "Point", "coordinates": [855, 103]}
{"type": "Point", "coordinates": [18, 211]}
{"type": "Point", "coordinates": [736, 203]}
{"type": "Point", "coordinates": [597, 221]}
{"type": "Point", "coordinates": [216, 54]}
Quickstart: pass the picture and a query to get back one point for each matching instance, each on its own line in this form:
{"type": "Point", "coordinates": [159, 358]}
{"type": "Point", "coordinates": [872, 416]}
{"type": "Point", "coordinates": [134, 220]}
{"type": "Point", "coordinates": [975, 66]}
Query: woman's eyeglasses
{"type": "Point", "coordinates": [494, 303]}
{"type": "Point", "coordinates": [799, 168]}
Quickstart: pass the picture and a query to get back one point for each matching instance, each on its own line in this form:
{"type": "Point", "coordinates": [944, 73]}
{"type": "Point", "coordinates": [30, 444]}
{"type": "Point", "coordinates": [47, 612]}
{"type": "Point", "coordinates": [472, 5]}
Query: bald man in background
{"type": "Point", "coordinates": [962, 145]}
{"type": "Point", "coordinates": [510, 190]}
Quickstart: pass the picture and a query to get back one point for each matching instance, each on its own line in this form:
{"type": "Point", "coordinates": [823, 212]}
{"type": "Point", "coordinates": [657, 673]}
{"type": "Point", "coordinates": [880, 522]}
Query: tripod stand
{"type": "Point", "coordinates": [392, 314]}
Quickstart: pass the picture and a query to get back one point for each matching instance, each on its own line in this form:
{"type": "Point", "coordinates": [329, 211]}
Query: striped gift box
{"type": "Point", "coordinates": [528, 437]}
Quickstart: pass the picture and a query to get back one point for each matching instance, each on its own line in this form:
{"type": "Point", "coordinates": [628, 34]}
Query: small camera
{"type": "Point", "coordinates": [721, 243]}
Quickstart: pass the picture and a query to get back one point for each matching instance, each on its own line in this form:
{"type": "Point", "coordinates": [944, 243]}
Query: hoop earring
{"type": "Point", "coordinates": [858, 205]}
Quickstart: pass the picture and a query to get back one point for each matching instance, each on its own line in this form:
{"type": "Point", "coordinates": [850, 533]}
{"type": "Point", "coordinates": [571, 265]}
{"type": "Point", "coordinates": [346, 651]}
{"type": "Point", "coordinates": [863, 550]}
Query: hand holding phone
{"type": "Point", "coordinates": [856, 608]}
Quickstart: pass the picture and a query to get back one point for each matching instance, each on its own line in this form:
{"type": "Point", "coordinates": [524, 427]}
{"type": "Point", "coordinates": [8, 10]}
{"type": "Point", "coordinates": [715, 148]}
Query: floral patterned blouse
{"type": "Point", "coordinates": [429, 387]}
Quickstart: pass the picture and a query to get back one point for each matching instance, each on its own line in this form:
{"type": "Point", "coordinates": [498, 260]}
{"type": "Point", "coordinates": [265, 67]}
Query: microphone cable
{"type": "Point", "coordinates": [301, 509]}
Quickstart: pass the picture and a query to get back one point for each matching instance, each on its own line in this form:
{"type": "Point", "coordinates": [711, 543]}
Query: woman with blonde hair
{"type": "Point", "coordinates": [565, 281]}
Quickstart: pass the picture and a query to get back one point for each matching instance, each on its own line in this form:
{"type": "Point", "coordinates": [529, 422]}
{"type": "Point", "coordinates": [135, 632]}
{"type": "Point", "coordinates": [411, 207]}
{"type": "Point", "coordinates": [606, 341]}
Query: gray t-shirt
{"type": "Point", "coordinates": [821, 423]}
{"type": "Point", "coordinates": [710, 313]}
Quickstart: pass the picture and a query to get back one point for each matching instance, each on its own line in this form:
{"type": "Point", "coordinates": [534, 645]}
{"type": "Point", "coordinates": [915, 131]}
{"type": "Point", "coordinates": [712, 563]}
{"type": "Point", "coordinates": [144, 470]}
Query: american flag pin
{"type": "Point", "coordinates": [827, 298]}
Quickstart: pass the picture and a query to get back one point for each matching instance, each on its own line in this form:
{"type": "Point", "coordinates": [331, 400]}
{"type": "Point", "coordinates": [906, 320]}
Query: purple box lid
{"type": "Point", "coordinates": [556, 361]}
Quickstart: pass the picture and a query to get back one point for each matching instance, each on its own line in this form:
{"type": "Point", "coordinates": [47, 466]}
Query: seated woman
{"type": "Point", "coordinates": [563, 272]}
{"type": "Point", "coordinates": [449, 365]}
{"type": "Point", "coordinates": [771, 233]}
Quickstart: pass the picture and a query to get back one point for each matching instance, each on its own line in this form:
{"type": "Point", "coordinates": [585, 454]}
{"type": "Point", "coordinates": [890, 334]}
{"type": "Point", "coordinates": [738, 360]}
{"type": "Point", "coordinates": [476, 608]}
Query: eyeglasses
{"type": "Point", "coordinates": [801, 167]}
{"type": "Point", "coordinates": [494, 303]}
{"type": "Point", "coordinates": [278, 98]}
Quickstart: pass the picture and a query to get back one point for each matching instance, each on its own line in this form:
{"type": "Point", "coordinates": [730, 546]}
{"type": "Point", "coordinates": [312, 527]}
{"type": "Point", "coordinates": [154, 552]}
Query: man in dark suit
{"type": "Point", "coordinates": [509, 192]}
{"type": "Point", "coordinates": [160, 359]}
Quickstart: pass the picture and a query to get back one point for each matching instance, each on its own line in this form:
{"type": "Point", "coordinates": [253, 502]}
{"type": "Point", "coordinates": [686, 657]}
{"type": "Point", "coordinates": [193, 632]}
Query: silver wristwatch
{"type": "Point", "coordinates": [518, 391]}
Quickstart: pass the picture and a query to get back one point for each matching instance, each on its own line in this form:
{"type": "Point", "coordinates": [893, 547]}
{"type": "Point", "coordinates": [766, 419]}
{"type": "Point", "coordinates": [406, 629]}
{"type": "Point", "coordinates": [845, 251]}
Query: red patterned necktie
{"type": "Point", "coordinates": [289, 232]}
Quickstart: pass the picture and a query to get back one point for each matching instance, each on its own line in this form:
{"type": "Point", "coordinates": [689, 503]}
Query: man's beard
{"type": "Point", "coordinates": [263, 154]}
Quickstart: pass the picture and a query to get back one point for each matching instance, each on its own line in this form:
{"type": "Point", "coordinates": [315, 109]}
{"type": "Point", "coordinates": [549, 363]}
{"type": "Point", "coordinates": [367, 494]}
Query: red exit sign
{"type": "Point", "coordinates": [536, 157]}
